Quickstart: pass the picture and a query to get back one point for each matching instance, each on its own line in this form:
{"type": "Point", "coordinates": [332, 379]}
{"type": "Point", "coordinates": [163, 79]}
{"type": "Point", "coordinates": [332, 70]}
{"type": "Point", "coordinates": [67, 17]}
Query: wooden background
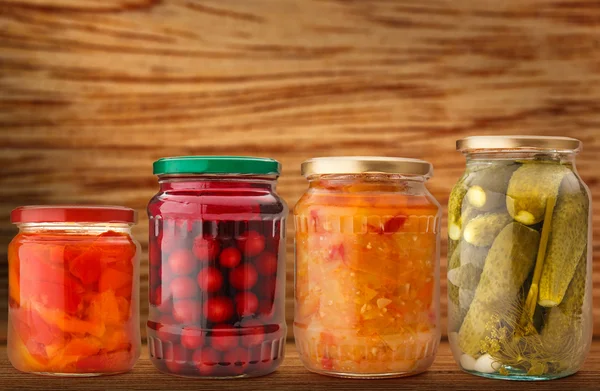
{"type": "Point", "coordinates": [92, 91]}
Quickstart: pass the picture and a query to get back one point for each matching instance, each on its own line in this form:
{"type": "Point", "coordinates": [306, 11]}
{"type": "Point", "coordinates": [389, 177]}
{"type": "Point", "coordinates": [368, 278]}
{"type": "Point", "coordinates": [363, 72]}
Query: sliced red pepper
{"type": "Point", "coordinates": [87, 266]}
{"type": "Point", "coordinates": [112, 279]}
{"type": "Point", "coordinates": [394, 224]}
{"type": "Point", "coordinates": [105, 362]}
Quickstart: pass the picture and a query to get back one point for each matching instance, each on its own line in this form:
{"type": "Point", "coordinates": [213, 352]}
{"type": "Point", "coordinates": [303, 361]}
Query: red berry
{"type": "Point", "coordinates": [230, 257]}
{"type": "Point", "coordinates": [243, 277]}
{"type": "Point", "coordinates": [253, 333]}
{"type": "Point", "coordinates": [246, 303]}
{"type": "Point", "coordinates": [266, 264]}
{"type": "Point", "coordinates": [218, 309]}
{"type": "Point", "coordinates": [192, 337]}
{"type": "Point", "coordinates": [176, 358]}
{"type": "Point", "coordinates": [251, 243]}
{"type": "Point", "coordinates": [168, 242]}
{"type": "Point", "coordinates": [183, 288]}
{"type": "Point", "coordinates": [210, 279]}
{"type": "Point", "coordinates": [186, 311]}
{"type": "Point", "coordinates": [236, 356]}
{"type": "Point", "coordinates": [206, 356]}
{"type": "Point", "coordinates": [182, 262]}
{"type": "Point", "coordinates": [224, 337]}
{"type": "Point", "coordinates": [205, 248]}
{"type": "Point", "coordinates": [266, 288]}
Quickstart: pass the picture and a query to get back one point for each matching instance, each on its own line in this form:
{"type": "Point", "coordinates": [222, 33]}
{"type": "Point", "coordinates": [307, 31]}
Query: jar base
{"type": "Point", "coordinates": [58, 374]}
{"type": "Point", "coordinates": [366, 376]}
{"type": "Point", "coordinates": [518, 375]}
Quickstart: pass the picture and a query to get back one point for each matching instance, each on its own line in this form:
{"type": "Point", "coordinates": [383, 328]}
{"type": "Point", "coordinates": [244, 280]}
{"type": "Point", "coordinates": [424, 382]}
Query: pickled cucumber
{"type": "Point", "coordinates": [455, 208]}
{"type": "Point", "coordinates": [465, 276]}
{"type": "Point", "coordinates": [529, 189]}
{"type": "Point", "coordinates": [508, 263]}
{"type": "Point", "coordinates": [488, 187]}
{"type": "Point", "coordinates": [482, 230]}
{"type": "Point", "coordinates": [564, 321]}
{"type": "Point", "coordinates": [566, 243]}
{"type": "Point", "coordinates": [470, 254]}
{"type": "Point", "coordinates": [453, 263]}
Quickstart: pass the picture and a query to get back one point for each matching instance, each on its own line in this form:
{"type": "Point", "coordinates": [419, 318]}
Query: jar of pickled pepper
{"type": "Point", "coordinates": [519, 259]}
{"type": "Point", "coordinates": [367, 267]}
{"type": "Point", "coordinates": [217, 267]}
{"type": "Point", "coordinates": [73, 291]}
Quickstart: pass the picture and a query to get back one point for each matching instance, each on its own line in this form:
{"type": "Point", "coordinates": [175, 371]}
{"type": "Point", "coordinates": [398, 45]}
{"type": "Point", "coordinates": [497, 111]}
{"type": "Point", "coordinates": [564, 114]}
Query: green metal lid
{"type": "Point", "coordinates": [216, 165]}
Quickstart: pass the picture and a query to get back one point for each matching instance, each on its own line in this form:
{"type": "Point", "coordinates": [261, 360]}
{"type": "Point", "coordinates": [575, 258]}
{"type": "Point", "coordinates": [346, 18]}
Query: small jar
{"type": "Point", "coordinates": [519, 259]}
{"type": "Point", "coordinates": [73, 276]}
{"type": "Point", "coordinates": [367, 268]}
{"type": "Point", "coordinates": [217, 267]}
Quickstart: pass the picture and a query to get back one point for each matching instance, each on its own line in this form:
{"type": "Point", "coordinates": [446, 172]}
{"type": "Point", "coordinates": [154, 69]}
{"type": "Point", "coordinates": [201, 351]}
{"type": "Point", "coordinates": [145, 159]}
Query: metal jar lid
{"type": "Point", "coordinates": [534, 143]}
{"type": "Point", "coordinates": [366, 164]}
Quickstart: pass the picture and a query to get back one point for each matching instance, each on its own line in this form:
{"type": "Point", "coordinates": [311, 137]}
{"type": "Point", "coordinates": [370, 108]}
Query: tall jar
{"type": "Point", "coordinates": [217, 267]}
{"type": "Point", "coordinates": [367, 267]}
{"type": "Point", "coordinates": [519, 268]}
{"type": "Point", "coordinates": [73, 276]}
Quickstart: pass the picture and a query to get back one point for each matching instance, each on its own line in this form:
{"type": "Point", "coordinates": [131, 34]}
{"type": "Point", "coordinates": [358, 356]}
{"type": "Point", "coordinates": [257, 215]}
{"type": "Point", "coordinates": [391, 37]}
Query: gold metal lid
{"type": "Point", "coordinates": [545, 143]}
{"type": "Point", "coordinates": [366, 164]}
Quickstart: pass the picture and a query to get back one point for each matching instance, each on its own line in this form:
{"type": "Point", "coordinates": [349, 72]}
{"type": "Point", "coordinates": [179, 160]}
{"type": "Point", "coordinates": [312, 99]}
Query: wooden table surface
{"type": "Point", "coordinates": [292, 376]}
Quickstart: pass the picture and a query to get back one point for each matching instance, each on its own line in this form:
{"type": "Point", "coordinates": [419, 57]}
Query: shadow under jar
{"type": "Point", "coordinates": [519, 259]}
{"type": "Point", "coordinates": [367, 268]}
{"type": "Point", "coordinates": [73, 291]}
{"type": "Point", "coordinates": [217, 267]}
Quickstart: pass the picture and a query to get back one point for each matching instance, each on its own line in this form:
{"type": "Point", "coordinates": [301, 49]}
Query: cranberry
{"type": "Point", "coordinates": [230, 257]}
{"type": "Point", "coordinates": [183, 288]}
{"type": "Point", "coordinates": [210, 279]}
{"type": "Point", "coordinates": [224, 338]}
{"type": "Point", "coordinates": [218, 309]}
{"type": "Point", "coordinates": [186, 311]}
{"type": "Point", "coordinates": [246, 303]}
{"type": "Point", "coordinates": [205, 248]}
{"type": "Point", "coordinates": [243, 277]}
{"type": "Point", "coordinates": [252, 243]}
{"type": "Point", "coordinates": [266, 264]}
{"type": "Point", "coordinates": [176, 358]}
{"type": "Point", "coordinates": [253, 333]}
{"type": "Point", "coordinates": [182, 262]}
{"type": "Point", "coordinates": [192, 337]}
{"type": "Point", "coordinates": [169, 242]}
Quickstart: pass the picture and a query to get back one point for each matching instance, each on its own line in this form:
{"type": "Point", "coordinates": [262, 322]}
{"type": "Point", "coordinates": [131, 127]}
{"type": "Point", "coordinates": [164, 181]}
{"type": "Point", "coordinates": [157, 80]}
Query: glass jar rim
{"type": "Point", "coordinates": [366, 165]}
{"type": "Point", "coordinates": [73, 214]}
{"type": "Point", "coordinates": [242, 165]}
{"type": "Point", "coordinates": [518, 143]}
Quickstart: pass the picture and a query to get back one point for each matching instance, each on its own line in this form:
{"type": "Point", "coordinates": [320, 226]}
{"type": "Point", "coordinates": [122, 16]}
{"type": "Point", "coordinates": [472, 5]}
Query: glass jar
{"type": "Point", "coordinates": [217, 267]}
{"type": "Point", "coordinates": [367, 268]}
{"type": "Point", "coordinates": [519, 268]}
{"type": "Point", "coordinates": [73, 291]}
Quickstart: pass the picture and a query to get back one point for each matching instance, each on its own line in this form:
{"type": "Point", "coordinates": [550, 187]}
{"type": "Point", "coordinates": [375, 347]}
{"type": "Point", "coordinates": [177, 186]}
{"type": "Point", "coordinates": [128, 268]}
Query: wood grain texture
{"type": "Point", "coordinates": [92, 91]}
{"type": "Point", "coordinates": [291, 375]}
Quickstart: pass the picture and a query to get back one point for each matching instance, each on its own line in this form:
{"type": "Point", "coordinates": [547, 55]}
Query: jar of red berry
{"type": "Point", "coordinates": [217, 267]}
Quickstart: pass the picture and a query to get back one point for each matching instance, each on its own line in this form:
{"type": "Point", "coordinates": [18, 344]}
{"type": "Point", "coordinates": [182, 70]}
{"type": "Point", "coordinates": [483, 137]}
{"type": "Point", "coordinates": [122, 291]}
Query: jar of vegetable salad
{"type": "Point", "coordinates": [367, 267]}
{"type": "Point", "coordinates": [73, 291]}
{"type": "Point", "coordinates": [519, 268]}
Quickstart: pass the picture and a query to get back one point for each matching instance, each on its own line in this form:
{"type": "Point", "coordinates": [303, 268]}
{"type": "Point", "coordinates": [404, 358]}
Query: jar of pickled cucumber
{"type": "Point", "coordinates": [217, 267]}
{"type": "Point", "coordinates": [519, 259]}
{"type": "Point", "coordinates": [367, 270]}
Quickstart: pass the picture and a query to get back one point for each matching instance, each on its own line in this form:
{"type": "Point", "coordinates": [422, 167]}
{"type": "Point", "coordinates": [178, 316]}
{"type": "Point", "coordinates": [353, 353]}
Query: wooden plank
{"type": "Point", "coordinates": [292, 375]}
{"type": "Point", "coordinates": [94, 91]}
